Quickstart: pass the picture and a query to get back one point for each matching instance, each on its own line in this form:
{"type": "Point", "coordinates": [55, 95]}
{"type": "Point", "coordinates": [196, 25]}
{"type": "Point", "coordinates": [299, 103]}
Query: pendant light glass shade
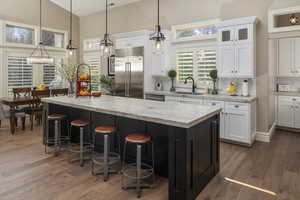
{"type": "Point", "coordinates": [70, 48]}
{"type": "Point", "coordinates": [40, 55]}
{"type": "Point", "coordinates": [158, 37]}
{"type": "Point", "coordinates": [106, 45]}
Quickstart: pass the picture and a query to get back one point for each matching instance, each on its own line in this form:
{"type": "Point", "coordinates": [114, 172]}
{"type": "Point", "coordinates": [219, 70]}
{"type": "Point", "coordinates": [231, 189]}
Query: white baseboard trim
{"type": "Point", "coordinates": [266, 136]}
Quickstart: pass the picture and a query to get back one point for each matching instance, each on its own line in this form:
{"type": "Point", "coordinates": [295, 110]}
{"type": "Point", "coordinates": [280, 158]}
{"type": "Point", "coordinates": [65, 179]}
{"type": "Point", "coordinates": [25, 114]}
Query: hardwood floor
{"type": "Point", "coordinates": [26, 173]}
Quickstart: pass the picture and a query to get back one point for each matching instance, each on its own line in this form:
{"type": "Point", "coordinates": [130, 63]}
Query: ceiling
{"type": "Point", "coordinates": [87, 7]}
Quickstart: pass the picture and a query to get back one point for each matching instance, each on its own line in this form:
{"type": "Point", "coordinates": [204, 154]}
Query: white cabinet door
{"type": "Point", "coordinates": [226, 62]}
{"type": "Point", "coordinates": [227, 35]}
{"type": "Point", "coordinates": [244, 60]}
{"type": "Point", "coordinates": [296, 56]}
{"type": "Point", "coordinates": [285, 115]}
{"type": "Point", "coordinates": [297, 113]}
{"type": "Point", "coordinates": [243, 34]}
{"type": "Point", "coordinates": [285, 63]}
{"type": "Point", "coordinates": [236, 127]}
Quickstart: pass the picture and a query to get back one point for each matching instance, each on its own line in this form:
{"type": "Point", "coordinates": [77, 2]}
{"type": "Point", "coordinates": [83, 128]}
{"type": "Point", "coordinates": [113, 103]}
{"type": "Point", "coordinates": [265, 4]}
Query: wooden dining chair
{"type": "Point", "coordinates": [37, 105]}
{"type": "Point", "coordinates": [60, 92]}
{"type": "Point", "coordinates": [21, 92]}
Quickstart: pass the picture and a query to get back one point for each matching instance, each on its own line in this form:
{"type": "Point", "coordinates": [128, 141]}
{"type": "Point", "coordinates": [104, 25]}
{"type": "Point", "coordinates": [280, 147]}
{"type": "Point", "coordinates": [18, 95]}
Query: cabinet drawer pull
{"type": "Point", "coordinates": [213, 104]}
{"type": "Point", "coordinates": [236, 106]}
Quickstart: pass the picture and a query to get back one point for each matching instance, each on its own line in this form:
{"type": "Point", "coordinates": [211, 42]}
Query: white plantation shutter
{"type": "Point", "coordinates": [48, 74]}
{"type": "Point", "coordinates": [205, 62]}
{"type": "Point", "coordinates": [185, 65]}
{"type": "Point", "coordinates": [19, 73]}
{"type": "Point", "coordinates": [196, 63]}
{"type": "Point", "coordinates": [94, 61]}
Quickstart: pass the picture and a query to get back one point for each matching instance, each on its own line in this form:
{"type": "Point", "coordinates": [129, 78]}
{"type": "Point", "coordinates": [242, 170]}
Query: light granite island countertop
{"type": "Point", "coordinates": [168, 113]}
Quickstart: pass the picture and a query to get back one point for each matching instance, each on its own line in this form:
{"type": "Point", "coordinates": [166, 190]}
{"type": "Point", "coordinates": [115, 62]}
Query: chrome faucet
{"type": "Point", "coordinates": [194, 86]}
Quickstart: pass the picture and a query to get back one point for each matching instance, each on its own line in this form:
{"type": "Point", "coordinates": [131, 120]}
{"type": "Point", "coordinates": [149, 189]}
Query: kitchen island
{"type": "Point", "coordinates": [186, 137]}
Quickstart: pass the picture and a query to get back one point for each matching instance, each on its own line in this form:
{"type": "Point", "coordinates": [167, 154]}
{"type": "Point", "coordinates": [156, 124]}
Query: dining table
{"type": "Point", "coordinates": [13, 103]}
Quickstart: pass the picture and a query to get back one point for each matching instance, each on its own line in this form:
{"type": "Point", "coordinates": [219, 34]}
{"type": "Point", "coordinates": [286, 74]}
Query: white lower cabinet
{"type": "Point", "coordinates": [237, 120]}
{"type": "Point", "coordinates": [237, 123]}
{"type": "Point", "coordinates": [288, 111]}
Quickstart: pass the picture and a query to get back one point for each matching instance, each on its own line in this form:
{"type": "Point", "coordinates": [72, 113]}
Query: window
{"type": "Point", "coordinates": [197, 31]}
{"type": "Point", "coordinates": [19, 73]}
{"type": "Point", "coordinates": [95, 63]}
{"type": "Point", "coordinates": [19, 35]}
{"type": "Point", "coordinates": [53, 39]}
{"type": "Point", "coordinates": [92, 44]}
{"type": "Point", "coordinates": [49, 71]}
{"type": "Point", "coordinates": [196, 63]}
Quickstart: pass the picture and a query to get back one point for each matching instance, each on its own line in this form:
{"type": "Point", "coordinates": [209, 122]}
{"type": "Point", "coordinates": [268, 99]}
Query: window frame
{"type": "Point", "coordinates": [94, 55]}
{"type": "Point", "coordinates": [65, 33]}
{"type": "Point", "coordinates": [93, 40]}
{"type": "Point", "coordinates": [18, 45]}
{"type": "Point", "coordinates": [195, 68]}
{"type": "Point", "coordinates": [176, 28]}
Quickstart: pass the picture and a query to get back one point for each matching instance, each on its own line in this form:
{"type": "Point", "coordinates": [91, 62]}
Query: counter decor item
{"type": "Point", "coordinates": [213, 74]}
{"type": "Point", "coordinates": [232, 89]}
{"type": "Point", "coordinates": [108, 84]}
{"type": "Point", "coordinates": [83, 80]}
{"type": "Point", "coordinates": [69, 73]}
{"type": "Point", "coordinates": [172, 74]}
{"type": "Point", "coordinates": [245, 88]}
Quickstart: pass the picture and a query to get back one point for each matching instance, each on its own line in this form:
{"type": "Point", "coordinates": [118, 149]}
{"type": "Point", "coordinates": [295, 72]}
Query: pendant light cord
{"type": "Point", "coordinates": [106, 18]}
{"type": "Point", "coordinates": [71, 20]}
{"type": "Point", "coordinates": [41, 40]}
{"type": "Point", "coordinates": [158, 10]}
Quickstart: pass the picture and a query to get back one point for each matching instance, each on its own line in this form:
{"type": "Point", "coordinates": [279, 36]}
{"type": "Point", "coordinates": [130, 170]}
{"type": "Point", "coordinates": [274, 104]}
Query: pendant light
{"type": "Point", "coordinates": [106, 45]}
{"type": "Point", "coordinates": [158, 36]}
{"type": "Point", "coordinates": [70, 48]}
{"type": "Point", "coordinates": [40, 55]}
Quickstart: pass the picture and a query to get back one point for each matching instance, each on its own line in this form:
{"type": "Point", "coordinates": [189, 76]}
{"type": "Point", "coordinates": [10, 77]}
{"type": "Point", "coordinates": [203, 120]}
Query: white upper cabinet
{"type": "Point", "coordinates": [236, 48]}
{"type": "Point", "coordinates": [288, 57]}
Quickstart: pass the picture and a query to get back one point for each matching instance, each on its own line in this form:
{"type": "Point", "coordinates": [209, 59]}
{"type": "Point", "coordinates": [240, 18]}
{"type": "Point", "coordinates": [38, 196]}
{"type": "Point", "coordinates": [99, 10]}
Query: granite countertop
{"type": "Point", "coordinates": [167, 113]}
{"type": "Point", "coordinates": [218, 97]}
{"type": "Point", "coordinates": [291, 94]}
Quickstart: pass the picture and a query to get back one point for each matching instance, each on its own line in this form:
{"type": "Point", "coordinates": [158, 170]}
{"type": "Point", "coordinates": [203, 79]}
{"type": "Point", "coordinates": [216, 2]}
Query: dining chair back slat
{"type": "Point", "coordinates": [22, 92]}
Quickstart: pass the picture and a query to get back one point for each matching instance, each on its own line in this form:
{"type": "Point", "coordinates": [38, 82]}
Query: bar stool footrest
{"type": "Point", "coordinates": [146, 169]}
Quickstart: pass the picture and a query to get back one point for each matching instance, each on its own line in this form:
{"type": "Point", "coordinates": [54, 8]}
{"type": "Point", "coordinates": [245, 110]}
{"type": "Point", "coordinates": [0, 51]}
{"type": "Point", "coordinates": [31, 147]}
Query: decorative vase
{"type": "Point", "coordinates": [214, 90]}
{"type": "Point", "coordinates": [172, 87]}
{"type": "Point", "coordinates": [72, 88]}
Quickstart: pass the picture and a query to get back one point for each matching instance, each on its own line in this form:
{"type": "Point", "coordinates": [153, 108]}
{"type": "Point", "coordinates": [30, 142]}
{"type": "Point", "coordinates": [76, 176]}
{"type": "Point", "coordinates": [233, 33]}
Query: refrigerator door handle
{"type": "Point", "coordinates": [129, 82]}
{"type": "Point", "coordinates": [127, 79]}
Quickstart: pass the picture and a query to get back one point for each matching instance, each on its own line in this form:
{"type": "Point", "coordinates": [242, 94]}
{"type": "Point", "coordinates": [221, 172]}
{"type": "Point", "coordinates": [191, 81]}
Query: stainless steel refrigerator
{"type": "Point", "coordinates": [129, 72]}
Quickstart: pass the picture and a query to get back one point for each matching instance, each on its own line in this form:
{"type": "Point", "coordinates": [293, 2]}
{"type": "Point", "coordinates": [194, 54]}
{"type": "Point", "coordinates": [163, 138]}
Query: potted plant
{"type": "Point", "coordinates": [214, 76]}
{"type": "Point", "coordinates": [69, 73]}
{"type": "Point", "coordinates": [108, 84]}
{"type": "Point", "coordinates": [172, 74]}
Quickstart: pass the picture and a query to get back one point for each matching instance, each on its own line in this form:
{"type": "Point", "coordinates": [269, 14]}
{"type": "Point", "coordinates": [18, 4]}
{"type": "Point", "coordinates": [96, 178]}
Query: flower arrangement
{"type": "Point", "coordinates": [107, 83]}
{"type": "Point", "coordinates": [69, 73]}
{"type": "Point", "coordinates": [172, 74]}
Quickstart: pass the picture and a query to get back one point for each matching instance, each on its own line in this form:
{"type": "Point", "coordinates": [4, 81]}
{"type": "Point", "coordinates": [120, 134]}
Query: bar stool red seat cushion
{"type": "Point", "coordinates": [105, 129]}
{"type": "Point", "coordinates": [139, 138]}
{"type": "Point", "coordinates": [80, 123]}
{"type": "Point", "coordinates": [56, 117]}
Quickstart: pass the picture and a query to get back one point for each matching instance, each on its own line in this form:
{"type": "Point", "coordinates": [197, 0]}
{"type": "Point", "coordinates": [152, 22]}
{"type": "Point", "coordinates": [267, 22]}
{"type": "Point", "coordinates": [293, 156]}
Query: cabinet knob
{"type": "Point", "coordinates": [236, 106]}
{"type": "Point", "coordinates": [213, 104]}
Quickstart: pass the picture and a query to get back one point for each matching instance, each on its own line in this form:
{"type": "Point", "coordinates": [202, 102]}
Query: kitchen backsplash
{"type": "Point", "coordinates": [223, 84]}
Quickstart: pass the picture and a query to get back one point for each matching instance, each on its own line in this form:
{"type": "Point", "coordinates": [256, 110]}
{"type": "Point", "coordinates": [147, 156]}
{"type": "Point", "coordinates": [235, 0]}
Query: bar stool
{"type": "Point", "coordinates": [83, 146]}
{"type": "Point", "coordinates": [58, 137]}
{"type": "Point", "coordinates": [140, 169]}
{"type": "Point", "coordinates": [109, 158]}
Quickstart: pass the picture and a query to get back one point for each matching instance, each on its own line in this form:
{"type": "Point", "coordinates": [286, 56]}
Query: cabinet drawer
{"type": "Point", "coordinates": [287, 99]}
{"type": "Point", "coordinates": [214, 103]}
{"type": "Point", "coordinates": [232, 107]}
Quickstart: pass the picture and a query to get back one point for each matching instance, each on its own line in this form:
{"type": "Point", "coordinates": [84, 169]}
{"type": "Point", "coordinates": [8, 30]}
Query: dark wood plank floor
{"type": "Point", "coordinates": [26, 173]}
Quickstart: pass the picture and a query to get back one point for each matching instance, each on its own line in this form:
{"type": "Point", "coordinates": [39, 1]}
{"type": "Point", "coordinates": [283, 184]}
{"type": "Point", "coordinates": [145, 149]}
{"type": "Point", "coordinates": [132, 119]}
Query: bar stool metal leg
{"type": "Point", "coordinates": [56, 137]}
{"type": "Point", "coordinates": [81, 147]}
{"type": "Point", "coordinates": [139, 168]}
{"type": "Point", "coordinates": [106, 159]}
